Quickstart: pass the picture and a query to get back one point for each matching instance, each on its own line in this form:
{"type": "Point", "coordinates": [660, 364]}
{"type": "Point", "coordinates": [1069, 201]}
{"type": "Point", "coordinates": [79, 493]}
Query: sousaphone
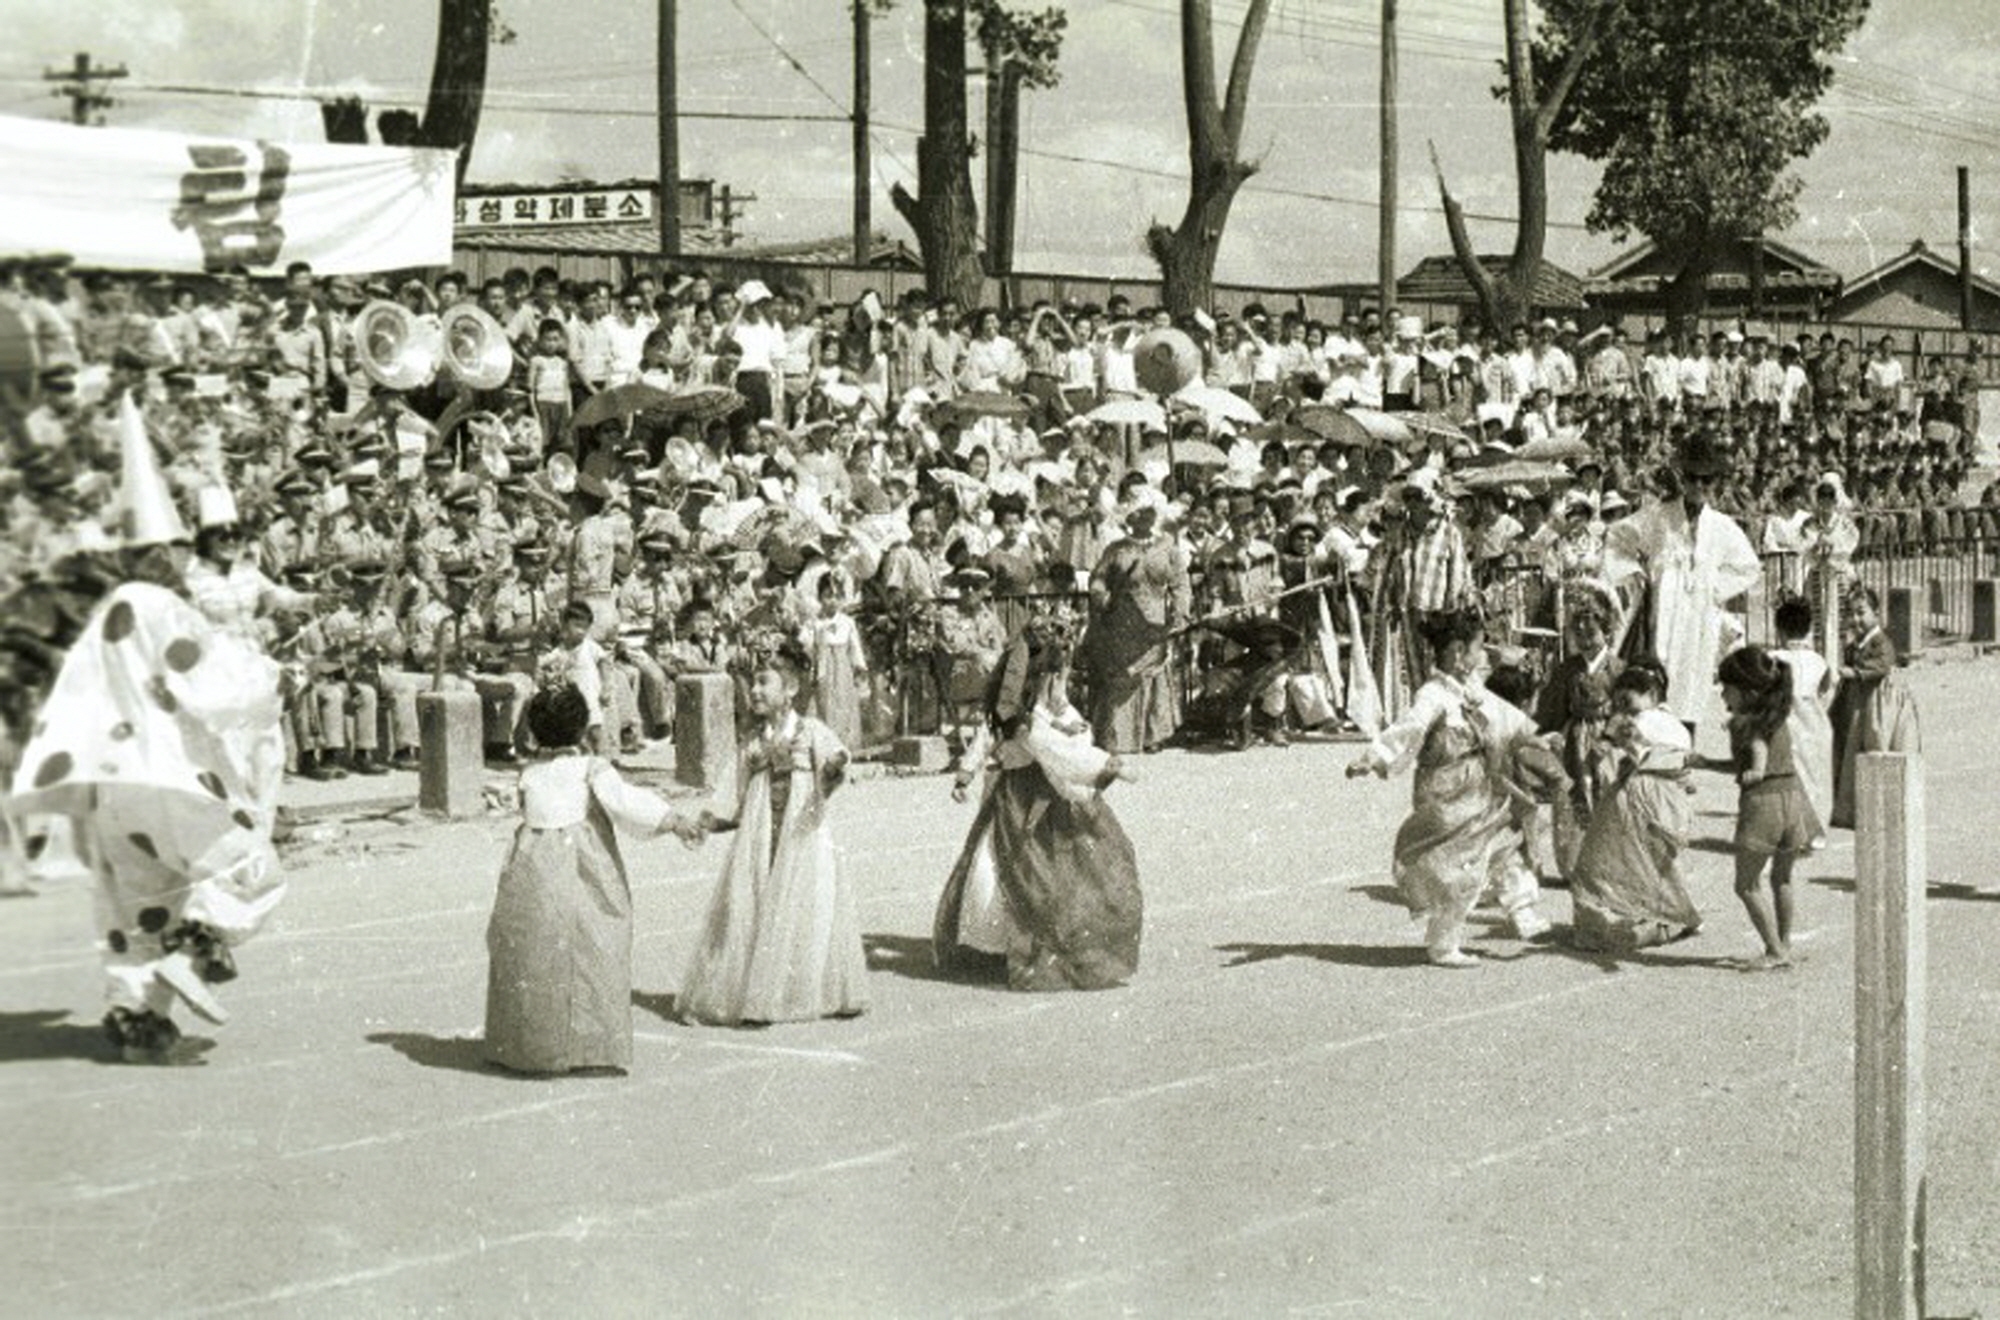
{"type": "Point", "coordinates": [476, 348]}
{"type": "Point", "coordinates": [398, 349]}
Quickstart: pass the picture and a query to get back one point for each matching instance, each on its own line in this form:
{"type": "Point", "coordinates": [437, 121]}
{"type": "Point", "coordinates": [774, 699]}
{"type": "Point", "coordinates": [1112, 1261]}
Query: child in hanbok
{"type": "Point", "coordinates": [1811, 729]}
{"type": "Point", "coordinates": [1626, 890]}
{"type": "Point", "coordinates": [1774, 821]}
{"type": "Point", "coordinates": [838, 658]}
{"type": "Point", "coordinates": [782, 941]}
{"type": "Point", "coordinates": [1872, 710]}
{"type": "Point", "coordinates": [1047, 879]}
{"type": "Point", "coordinates": [1575, 703]}
{"type": "Point", "coordinates": [1460, 835]}
{"type": "Point", "coordinates": [559, 983]}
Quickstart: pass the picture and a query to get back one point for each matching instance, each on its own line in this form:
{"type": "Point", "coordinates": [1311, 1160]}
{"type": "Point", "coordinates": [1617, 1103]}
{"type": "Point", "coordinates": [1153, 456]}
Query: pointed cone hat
{"type": "Point", "coordinates": [146, 508]}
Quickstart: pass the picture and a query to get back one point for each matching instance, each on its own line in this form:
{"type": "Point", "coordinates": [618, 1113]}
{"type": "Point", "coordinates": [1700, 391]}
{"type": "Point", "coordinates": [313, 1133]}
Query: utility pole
{"type": "Point", "coordinates": [1964, 248]}
{"type": "Point", "coordinates": [863, 223]}
{"type": "Point", "coordinates": [670, 133]}
{"type": "Point", "coordinates": [729, 205]}
{"type": "Point", "coordinates": [1385, 249]}
{"type": "Point", "coordinates": [79, 85]}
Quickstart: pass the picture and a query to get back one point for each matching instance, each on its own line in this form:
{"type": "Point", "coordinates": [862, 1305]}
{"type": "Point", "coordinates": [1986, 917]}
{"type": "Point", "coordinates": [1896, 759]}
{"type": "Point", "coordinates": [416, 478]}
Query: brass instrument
{"type": "Point", "coordinates": [403, 351]}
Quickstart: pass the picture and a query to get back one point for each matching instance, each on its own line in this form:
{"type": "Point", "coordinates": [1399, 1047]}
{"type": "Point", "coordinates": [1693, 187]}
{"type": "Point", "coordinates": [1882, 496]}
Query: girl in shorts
{"type": "Point", "coordinates": [1774, 817]}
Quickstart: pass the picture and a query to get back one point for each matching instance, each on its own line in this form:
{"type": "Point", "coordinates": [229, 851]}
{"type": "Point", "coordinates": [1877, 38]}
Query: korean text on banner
{"type": "Point", "coordinates": [134, 199]}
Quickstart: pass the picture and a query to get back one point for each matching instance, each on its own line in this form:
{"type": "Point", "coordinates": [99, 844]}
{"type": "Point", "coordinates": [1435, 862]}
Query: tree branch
{"type": "Point", "coordinates": [1474, 270]}
{"type": "Point", "coordinates": [1240, 68]}
{"type": "Point", "coordinates": [1580, 48]}
{"type": "Point", "coordinates": [1198, 81]}
{"type": "Point", "coordinates": [908, 207]}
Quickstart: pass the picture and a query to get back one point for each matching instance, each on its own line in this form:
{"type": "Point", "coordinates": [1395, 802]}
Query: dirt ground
{"type": "Point", "coordinates": [1286, 1112]}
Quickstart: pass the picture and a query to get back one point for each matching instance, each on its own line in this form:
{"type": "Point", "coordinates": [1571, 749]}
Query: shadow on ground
{"type": "Point", "coordinates": [1955, 890]}
{"type": "Point", "coordinates": [1345, 955]}
{"type": "Point", "coordinates": [911, 957]}
{"type": "Point", "coordinates": [49, 1033]}
{"type": "Point", "coordinates": [450, 1053]}
{"type": "Point", "coordinates": [660, 1005]}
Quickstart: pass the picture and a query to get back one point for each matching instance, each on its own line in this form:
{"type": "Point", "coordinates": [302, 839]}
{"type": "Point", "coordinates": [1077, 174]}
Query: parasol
{"type": "Point", "coordinates": [704, 403]}
{"type": "Point", "coordinates": [1128, 412]}
{"type": "Point", "coordinates": [1514, 472]}
{"type": "Point", "coordinates": [986, 403]}
{"type": "Point", "coordinates": [1217, 404]}
{"type": "Point", "coordinates": [1285, 433]}
{"type": "Point", "coordinates": [1187, 453]}
{"type": "Point", "coordinates": [1430, 423]}
{"type": "Point", "coordinates": [1359, 428]}
{"type": "Point", "coordinates": [620, 402]}
{"type": "Point", "coordinates": [1555, 449]}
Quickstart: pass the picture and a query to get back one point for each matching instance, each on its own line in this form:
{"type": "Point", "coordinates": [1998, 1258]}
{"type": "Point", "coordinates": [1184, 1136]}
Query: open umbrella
{"type": "Point", "coordinates": [1128, 412]}
{"type": "Point", "coordinates": [1217, 404]}
{"type": "Point", "coordinates": [618, 403]}
{"type": "Point", "coordinates": [1285, 433]}
{"type": "Point", "coordinates": [1185, 453]}
{"type": "Point", "coordinates": [1361, 428]}
{"type": "Point", "coordinates": [986, 403]}
{"type": "Point", "coordinates": [967, 485]}
{"type": "Point", "coordinates": [1514, 472]}
{"type": "Point", "coordinates": [1553, 449]}
{"type": "Point", "coordinates": [704, 403]}
{"type": "Point", "coordinates": [1430, 423]}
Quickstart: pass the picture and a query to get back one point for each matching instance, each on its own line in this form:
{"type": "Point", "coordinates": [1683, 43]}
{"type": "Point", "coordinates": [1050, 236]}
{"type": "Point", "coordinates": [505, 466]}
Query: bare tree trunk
{"type": "Point", "coordinates": [944, 214]}
{"type": "Point", "coordinates": [1510, 297]}
{"type": "Point", "coordinates": [1005, 149]}
{"type": "Point", "coordinates": [1186, 253]}
{"type": "Point", "coordinates": [1686, 296]}
{"type": "Point", "coordinates": [458, 78]}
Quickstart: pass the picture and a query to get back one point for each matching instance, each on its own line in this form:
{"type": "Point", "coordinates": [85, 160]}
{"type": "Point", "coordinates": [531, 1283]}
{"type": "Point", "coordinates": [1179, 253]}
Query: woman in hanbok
{"type": "Point", "coordinates": [559, 944]}
{"type": "Point", "coordinates": [1461, 834]}
{"type": "Point", "coordinates": [782, 940]}
{"type": "Point", "coordinates": [1626, 884]}
{"type": "Point", "coordinates": [1047, 878]}
{"type": "Point", "coordinates": [1575, 703]}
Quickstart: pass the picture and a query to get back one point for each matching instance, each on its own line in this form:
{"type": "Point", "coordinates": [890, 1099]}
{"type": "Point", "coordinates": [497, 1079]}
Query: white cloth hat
{"type": "Point", "coordinates": [753, 292]}
{"type": "Point", "coordinates": [1410, 327]}
{"type": "Point", "coordinates": [215, 507]}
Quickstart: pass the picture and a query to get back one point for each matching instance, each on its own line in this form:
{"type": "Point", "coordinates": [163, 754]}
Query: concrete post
{"type": "Point", "coordinates": [705, 732]}
{"type": "Point", "coordinates": [451, 766]}
{"type": "Point", "coordinates": [1902, 621]}
{"type": "Point", "coordinates": [1890, 961]}
{"type": "Point", "coordinates": [1986, 610]}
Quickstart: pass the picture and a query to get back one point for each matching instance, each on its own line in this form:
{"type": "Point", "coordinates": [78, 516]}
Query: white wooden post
{"type": "Point", "coordinates": [1890, 962]}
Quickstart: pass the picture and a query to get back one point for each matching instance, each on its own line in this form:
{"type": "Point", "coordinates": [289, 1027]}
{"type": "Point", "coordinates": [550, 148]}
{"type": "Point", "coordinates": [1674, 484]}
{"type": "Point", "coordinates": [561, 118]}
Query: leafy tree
{"type": "Point", "coordinates": [1022, 48]}
{"type": "Point", "coordinates": [943, 211]}
{"type": "Point", "coordinates": [1186, 253]}
{"type": "Point", "coordinates": [1533, 106]}
{"type": "Point", "coordinates": [1697, 111]}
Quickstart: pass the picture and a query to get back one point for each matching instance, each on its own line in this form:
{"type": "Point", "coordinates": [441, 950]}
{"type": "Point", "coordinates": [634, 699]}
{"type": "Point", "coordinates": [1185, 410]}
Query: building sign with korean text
{"type": "Point", "coordinates": [554, 208]}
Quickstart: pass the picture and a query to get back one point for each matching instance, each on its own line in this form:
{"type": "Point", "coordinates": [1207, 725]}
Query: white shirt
{"type": "Point", "coordinates": [763, 345]}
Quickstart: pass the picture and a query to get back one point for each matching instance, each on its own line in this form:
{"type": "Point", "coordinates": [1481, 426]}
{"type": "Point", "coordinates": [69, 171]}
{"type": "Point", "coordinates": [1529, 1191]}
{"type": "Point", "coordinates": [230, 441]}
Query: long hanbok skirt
{"type": "Point", "coordinates": [1133, 704]}
{"type": "Point", "coordinates": [559, 988]}
{"type": "Point", "coordinates": [1626, 885]}
{"type": "Point", "coordinates": [972, 913]}
{"type": "Point", "coordinates": [782, 940]}
{"type": "Point", "coordinates": [1868, 717]}
{"type": "Point", "coordinates": [1448, 848]}
{"type": "Point", "coordinates": [1070, 881]}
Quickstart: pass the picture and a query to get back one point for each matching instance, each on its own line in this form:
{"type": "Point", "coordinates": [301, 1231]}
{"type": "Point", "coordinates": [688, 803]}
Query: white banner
{"type": "Point", "coordinates": [134, 199]}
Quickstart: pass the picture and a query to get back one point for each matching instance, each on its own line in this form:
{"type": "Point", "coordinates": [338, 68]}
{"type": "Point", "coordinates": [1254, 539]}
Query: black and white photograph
{"type": "Point", "coordinates": [1031, 658]}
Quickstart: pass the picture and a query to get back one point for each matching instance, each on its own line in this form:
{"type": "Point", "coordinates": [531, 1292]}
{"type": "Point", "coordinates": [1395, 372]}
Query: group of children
{"type": "Point", "coordinates": [1602, 751]}
{"type": "Point", "coordinates": [781, 940]}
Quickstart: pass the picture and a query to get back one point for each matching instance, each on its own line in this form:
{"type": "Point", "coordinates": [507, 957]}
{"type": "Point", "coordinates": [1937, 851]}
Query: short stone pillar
{"type": "Point", "coordinates": [1902, 621]}
{"type": "Point", "coordinates": [1986, 610]}
{"type": "Point", "coordinates": [451, 766]}
{"type": "Point", "coordinates": [705, 732]}
{"type": "Point", "coordinates": [925, 753]}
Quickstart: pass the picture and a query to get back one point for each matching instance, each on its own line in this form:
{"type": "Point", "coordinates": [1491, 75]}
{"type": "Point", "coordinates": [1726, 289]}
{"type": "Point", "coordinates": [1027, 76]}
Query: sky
{"type": "Point", "coordinates": [572, 98]}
